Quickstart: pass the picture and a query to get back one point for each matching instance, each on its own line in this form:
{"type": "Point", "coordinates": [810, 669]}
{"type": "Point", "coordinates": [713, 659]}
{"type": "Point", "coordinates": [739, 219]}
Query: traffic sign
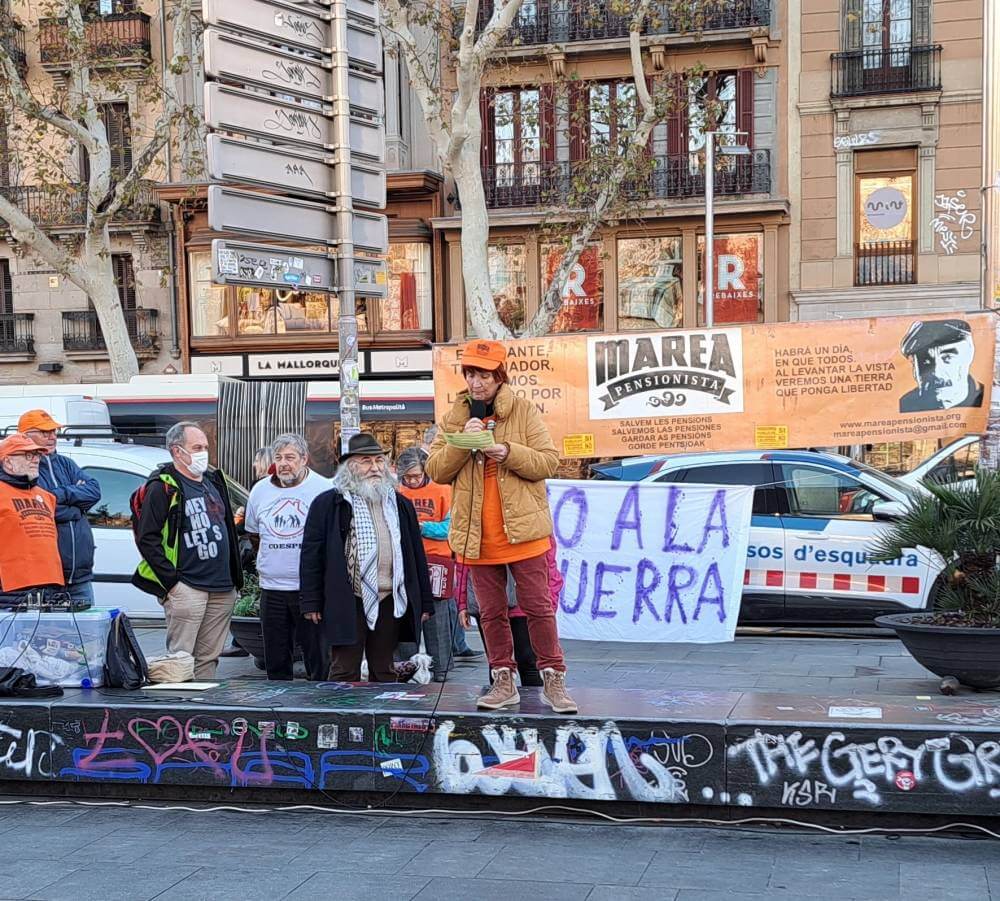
{"type": "Point", "coordinates": [259, 115]}
{"type": "Point", "coordinates": [286, 218]}
{"type": "Point", "coordinates": [246, 61]}
{"type": "Point", "coordinates": [295, 25]}
{"type": "Point", "coordinates": [300, 174]}
{"type": "Point", "coordinates": [371, 277]}
{"type": "Point", "coordinates": [270, 266]}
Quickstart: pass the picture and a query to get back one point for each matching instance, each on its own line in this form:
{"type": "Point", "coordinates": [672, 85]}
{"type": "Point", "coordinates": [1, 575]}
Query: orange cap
{"type": "Point", "coordinates": [36, 419]}
{"type": "Point", "coordinates": [17, 444]}
{"type": "Point", "coordinates": [488, 355]}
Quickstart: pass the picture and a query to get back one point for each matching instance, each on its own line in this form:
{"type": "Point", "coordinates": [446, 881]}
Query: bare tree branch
{"type": "Point", "coordinates": [25, 232]}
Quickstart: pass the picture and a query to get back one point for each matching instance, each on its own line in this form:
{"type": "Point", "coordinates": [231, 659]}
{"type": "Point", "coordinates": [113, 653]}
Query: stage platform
{"type": "Point", "coordinates": [701, 748]}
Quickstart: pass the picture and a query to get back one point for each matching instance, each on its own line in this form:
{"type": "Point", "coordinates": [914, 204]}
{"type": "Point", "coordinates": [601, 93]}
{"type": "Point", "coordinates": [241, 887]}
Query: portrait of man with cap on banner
{"type": "Point", "coordinates": [941, 352]}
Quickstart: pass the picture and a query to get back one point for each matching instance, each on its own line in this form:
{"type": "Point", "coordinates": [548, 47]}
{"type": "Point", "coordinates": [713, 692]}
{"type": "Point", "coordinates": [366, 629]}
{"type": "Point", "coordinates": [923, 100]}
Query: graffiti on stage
{"type": "Point", "coordinates": [586, 762]}
{"type": "Point", "coordinates": [817, 770]}
{"type": "Point", "coordinates": [26, 753]}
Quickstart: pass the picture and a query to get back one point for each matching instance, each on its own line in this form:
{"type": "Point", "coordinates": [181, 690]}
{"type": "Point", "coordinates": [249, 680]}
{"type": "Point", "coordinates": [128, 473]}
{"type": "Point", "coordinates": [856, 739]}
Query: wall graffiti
{"type": "Point", "coordinates": [585, 762]}
{"type": "Point", "coordinates": [954, 221]}
{"type": "Point", "coordinates": [26, 753]}
{"type": "Point", "coordinates": [796, 770]}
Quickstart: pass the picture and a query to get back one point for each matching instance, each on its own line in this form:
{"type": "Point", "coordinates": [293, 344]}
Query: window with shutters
{"type": "Point", "coordinates": [6, 289]}
{"type": "Point", "coordinates": [95, 9]}
{"type": "Point", "coordinates": [518, 142]}
{"type": "Point", "coordinates": [125, 280]}
{"type": "Point", "coordinates": [118, 125]}
{"type": "Point", "coordinates": [720, 102]}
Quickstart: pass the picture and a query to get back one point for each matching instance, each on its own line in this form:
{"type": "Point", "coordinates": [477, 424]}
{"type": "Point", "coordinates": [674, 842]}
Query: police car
{"type": "Point", "coordinates": [815, 516]}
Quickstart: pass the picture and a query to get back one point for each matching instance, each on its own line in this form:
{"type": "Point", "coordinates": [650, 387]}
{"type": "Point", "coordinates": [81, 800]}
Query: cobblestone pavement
{"type": "Point", "coordinates": [79, 854]}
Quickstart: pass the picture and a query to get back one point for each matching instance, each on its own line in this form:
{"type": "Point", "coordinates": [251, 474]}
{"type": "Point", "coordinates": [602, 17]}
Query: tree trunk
{"type": "Point", "coordinates": [103, 293]}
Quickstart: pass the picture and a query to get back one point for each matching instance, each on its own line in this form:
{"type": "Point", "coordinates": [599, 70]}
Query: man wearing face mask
{"type": "Point", "coordinates": [29, 552]}
{"type": "Point", "coordinates": [276, 519]}
{"type": "Point", "coordinates": [190, 550]}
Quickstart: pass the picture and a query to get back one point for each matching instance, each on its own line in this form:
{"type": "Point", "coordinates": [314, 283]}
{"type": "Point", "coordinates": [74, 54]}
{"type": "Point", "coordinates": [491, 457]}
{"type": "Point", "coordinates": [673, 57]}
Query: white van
{"type": "Point", "coordinates": [79, 413]}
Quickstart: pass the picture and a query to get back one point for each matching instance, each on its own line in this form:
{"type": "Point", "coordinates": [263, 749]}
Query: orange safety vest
{"type": "Point", "coordinates": [29, 548]}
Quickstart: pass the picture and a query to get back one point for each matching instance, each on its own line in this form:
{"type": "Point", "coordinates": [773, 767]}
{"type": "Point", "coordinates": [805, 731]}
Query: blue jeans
{"type": "Point", "coordinates": [81, 591]}
{"type": "Point", "coordinates": [458, 643]}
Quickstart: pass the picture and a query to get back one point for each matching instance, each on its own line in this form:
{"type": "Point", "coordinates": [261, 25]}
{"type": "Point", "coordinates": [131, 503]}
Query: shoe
{"type": "Point", "coordinates": [503, 692]}
{"type": "Point", "coordinates": [554, 692]}
{"type": "Point", "coordinates": [234, 650]}
{"type": "Point", "coordinates": [468, 654]}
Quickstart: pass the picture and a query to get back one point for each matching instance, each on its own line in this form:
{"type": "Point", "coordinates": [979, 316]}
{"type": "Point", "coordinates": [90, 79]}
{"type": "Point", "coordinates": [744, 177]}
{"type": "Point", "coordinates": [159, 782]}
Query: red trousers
{"type": "Point", "coordinates": [531, 578]}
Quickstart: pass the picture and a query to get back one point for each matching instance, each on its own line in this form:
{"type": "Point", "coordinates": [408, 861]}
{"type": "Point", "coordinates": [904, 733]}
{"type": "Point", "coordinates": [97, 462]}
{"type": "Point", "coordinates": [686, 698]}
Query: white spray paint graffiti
{"type": "Point", "coordinates": [953, 214]}
{"type": "Point", "coordinates": [27, 752]}
{"type": "Point", "coordinates": [577, 767]}
{"type": "Point", "coordinates": [861, 766]}
{"type": "Point", "coordinates": [862, 139]}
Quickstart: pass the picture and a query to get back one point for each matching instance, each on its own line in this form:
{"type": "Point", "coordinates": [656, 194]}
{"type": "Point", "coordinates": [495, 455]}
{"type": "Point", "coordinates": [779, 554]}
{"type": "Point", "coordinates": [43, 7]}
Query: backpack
{"type": "Point", "coordinates": [124, 663]}
{"type": "Point", "coordinates": [138, 498]}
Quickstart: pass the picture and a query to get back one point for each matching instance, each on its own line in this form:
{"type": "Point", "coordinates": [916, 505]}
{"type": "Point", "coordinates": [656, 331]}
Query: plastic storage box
{"type": "Point", "coordinates": [62, 648]}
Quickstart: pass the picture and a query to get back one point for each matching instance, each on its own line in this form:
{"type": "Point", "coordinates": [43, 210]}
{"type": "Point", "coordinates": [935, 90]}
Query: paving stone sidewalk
{"type": "Point", "coordinates": [835, 667]}
{"type": "Point", "coordinates": [116, 854]}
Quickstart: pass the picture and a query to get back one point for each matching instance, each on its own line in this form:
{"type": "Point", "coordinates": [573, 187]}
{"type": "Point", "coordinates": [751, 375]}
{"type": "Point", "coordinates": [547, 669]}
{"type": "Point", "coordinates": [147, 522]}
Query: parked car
{"type": "Point", "coordinates": [954, 464]}
{"type": "Point", "coordinates": [814, 517]}
{"type": "Point", "coordinates": [121, 468]}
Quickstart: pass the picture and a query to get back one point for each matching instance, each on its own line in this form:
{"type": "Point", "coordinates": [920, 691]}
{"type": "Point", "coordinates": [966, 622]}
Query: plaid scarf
{"type": "Point", "coordinates": [362, 556]}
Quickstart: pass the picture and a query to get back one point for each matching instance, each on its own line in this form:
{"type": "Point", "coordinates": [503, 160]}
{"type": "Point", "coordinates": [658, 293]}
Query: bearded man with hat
{"type": "Point", "coordinates": [500, 519]}
{"type": "Point", "coordinates": [75, 493]}
{"type": "Point", "coordinates": [29, 552]}
{"type": "Point", "coordinates": [362, 570]}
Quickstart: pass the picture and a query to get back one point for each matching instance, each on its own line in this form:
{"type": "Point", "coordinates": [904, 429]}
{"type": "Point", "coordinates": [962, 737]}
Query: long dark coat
{"type": "Point", "coordinates": [325, 584]}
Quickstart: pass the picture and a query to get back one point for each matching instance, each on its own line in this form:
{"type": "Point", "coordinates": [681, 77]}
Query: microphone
{"type": "Point", "coordinates": [477, 409]}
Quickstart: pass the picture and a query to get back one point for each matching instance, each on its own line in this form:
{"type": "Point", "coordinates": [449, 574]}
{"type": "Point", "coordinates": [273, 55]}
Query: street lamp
{"type": "Point", "coordinates": [733, 149]}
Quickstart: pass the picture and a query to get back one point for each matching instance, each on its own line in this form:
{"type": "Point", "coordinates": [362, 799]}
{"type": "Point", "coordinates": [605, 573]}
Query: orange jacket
{"type": "Point", "coordinates": [29, 548]}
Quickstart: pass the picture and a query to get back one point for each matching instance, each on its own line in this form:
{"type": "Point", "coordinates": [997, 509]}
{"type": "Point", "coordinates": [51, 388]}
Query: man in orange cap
{"type": "Point", "coordinates": [500, 519]}
{"type": "Point", "coordinates": [29, 554]}
{"type": "Point", "coordinates": [75, 493]}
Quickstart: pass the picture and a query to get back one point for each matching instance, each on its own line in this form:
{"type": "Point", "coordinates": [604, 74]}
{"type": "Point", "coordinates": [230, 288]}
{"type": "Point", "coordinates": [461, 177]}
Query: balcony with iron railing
{"type": "Point", "coordinates": [514, 185]}
{"type": "Point", "coordinates": [893, 70]}
{"type": "Point", "coordinates": [885, 263]}
{"type": "Point", "coordinates": [82, 331]}
{"type": "Point", "coordinates": [566, 21]}
{"type": "Point", "coordinates": [12, 38]}
{"type": "Point", "coordinates": [17, 333]}
{"type": "Point", "coordinates": [52, 206]}
{"type": "Point", "coordinates": [110, 41]}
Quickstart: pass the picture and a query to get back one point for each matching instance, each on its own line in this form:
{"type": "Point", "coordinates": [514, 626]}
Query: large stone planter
{"type": "Point", "coordinates": [969, 654]}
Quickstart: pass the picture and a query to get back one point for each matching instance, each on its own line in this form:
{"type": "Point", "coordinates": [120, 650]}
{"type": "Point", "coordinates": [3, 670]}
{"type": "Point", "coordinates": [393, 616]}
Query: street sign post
{"type": "Point", "coordinates": [300, 174]}
{"type": "Point", "coordinates": [261, 116]}
{"type": "Point", "coordinates": [305, 78]}
{"type": "Point", "coordinates": [238, 263]}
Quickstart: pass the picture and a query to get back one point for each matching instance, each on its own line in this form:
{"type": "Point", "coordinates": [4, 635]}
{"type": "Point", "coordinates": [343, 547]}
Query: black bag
{"type": "Point", "coordinates": [124, 662]}
{"type": "Point", "coordinates": [19, 683]}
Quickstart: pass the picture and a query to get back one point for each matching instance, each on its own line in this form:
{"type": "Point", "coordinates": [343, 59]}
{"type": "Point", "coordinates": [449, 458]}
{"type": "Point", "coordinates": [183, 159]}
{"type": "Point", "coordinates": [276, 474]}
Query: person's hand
{"type": "Point", "coordinates": [498, 452]}
{"type": "Point", "coordinates": [463, 619]}
{"type": "Point", "coordinates": [425, 617]}
{"type": "Point", "coordinates": [474, 425]}
{"type": "Point", "coordinates": [313, 617]}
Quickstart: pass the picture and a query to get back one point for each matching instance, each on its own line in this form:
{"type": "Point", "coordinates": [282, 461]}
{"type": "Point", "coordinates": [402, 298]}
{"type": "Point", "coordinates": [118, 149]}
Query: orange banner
{"type": "Point", "coordinates": [789, 385]}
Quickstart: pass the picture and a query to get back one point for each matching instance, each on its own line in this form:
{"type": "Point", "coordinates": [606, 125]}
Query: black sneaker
{"type": "Point", "coordinates": [469, 654]}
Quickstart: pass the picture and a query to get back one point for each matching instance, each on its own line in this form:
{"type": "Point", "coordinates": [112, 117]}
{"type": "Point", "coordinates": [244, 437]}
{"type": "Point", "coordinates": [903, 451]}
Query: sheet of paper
{"type": "Point", "coordinates": [470, 440]}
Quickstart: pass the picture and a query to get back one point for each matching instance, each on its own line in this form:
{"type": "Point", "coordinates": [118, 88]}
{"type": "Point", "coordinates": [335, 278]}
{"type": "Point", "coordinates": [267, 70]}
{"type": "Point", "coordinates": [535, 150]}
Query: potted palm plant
{"type": "Point", "coordinates": [959, 638]}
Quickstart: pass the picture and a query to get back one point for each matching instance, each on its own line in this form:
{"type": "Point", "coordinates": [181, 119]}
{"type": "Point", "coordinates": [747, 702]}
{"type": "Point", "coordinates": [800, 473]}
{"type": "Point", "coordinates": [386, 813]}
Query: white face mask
{"type": "Point", "coordinates": [199, 463]}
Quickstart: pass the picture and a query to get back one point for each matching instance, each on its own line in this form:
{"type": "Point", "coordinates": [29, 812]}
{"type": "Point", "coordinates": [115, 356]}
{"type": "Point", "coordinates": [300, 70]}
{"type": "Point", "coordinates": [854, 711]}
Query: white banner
{"type": "Point", "coordinates": [649, 562]}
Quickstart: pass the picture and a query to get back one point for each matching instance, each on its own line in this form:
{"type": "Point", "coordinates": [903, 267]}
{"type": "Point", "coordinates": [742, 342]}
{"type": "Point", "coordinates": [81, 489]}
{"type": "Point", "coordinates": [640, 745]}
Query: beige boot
{"type": "Point", "coordinates": [503, 692]}
{"type": "Point", "coordinates": [554, 692]}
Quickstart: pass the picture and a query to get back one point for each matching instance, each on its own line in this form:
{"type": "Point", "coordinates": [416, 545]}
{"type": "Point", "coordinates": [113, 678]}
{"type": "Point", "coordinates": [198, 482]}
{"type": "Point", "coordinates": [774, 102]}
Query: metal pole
{"type": "Point", "coordinates": [347, 326]}
{"type": "Point", "coordinates": [709, 262]}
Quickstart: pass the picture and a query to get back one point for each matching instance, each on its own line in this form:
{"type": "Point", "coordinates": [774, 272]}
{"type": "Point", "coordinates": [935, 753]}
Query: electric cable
{"type": "Point", "coordinates": [510, 814]}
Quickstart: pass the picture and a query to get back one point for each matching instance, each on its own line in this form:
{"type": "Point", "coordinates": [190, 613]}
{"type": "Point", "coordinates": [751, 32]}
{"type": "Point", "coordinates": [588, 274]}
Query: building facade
{"type": "Point", "coordinates": [48, 330]}
{"type": "Point", "coordinates": [570, 62]}
{"type": "Point", "coordinates": [890, 115]}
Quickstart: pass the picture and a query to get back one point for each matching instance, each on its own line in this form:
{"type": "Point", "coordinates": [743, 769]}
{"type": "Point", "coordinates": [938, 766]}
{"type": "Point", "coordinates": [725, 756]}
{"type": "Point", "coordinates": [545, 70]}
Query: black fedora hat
{"type": "Point", "coordinates": [362, 445]}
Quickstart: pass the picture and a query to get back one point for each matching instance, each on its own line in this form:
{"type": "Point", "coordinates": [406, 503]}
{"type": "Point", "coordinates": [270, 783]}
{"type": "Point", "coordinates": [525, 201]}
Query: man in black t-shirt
{"type": "Point", "coordinates": [193, 566]}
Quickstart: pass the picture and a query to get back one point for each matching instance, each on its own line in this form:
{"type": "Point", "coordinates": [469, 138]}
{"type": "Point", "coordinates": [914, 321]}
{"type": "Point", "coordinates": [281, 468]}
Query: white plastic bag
{"type": "Point", "coordinates": [175, 667]}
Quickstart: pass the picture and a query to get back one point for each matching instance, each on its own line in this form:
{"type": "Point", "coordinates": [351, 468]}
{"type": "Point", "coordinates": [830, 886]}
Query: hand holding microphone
{"type": "Point", "coordinates": [477, 408]}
